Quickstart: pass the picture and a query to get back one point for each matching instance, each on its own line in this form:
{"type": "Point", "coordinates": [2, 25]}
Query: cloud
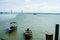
{"type": "Point", "coordinates": [41, 7]}
{"type": "Point", "coordinates": [28, 6]}
{"type": "Point", "coordinates": [27, 0]}
{"type": "Point", "coordinates": [57, 0]}
{"type": "Point", "coordinates": [36, 7]}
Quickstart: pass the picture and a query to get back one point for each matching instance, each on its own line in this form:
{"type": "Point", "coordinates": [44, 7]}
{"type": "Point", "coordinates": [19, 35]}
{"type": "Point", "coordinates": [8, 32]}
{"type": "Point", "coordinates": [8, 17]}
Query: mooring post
{"type": "Point", "coordinates": [49, 36]}
{"type": "Point", "coordinates": [56, 31]}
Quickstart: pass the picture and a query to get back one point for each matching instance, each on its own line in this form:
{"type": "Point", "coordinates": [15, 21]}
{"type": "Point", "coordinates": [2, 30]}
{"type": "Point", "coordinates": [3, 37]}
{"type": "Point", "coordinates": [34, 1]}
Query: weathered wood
{"type": "Point", "coordinates": [56, 31]}
{"type": "Point", "coordinates": [49, 36]}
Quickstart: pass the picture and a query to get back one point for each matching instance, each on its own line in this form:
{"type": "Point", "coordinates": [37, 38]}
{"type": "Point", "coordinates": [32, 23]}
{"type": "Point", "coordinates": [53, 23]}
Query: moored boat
{"type": "Point", "coordinates": [28, 34]}
{"type": "Point", "coordinates": [12, 28]}
{"type": "Point", "coordinates": [34, 13]}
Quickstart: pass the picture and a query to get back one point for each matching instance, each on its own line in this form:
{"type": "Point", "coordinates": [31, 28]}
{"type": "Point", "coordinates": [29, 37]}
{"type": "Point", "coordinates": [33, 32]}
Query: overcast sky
{"type": "Point", "coordinates": [30, 5]}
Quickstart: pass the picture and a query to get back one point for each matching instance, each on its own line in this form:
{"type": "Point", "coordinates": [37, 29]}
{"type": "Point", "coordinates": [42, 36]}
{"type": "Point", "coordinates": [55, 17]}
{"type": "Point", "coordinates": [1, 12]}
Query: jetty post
{"type": "Point", "coordinates": [56, 31]}
{"type": "Point", "coordinates": [49, 36]}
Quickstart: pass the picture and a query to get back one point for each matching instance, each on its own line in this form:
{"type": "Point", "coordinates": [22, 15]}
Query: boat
{"type": "Point", "coordinates": [28, 34]}
{"type": "Point", "coordinates": [34, 13]}
{"type": "Point", "coordinates": [2, 39]}
{"type": "Point", "coordinates": [13, 27]}
{"type": "Point", "coordinates": [12, 22]}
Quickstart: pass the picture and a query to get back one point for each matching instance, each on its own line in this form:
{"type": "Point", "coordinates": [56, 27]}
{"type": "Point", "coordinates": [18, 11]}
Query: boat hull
{"type": "Point", "coordinates": [12, 29]}
{"type": "Point", "coordinates": [27, 36]}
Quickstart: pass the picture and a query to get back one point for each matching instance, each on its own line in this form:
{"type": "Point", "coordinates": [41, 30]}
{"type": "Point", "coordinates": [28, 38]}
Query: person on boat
{"type": "Point", "coordinates": [28, 34]}
{"type": "Point", "coordinates": [28, 31]}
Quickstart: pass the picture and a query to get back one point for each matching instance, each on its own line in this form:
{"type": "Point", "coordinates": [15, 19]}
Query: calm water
{"type": "Point", "coordinates": [40, 24]}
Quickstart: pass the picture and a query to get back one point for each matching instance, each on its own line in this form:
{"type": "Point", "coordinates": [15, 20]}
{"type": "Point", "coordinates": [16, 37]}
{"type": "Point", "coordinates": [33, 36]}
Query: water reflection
{"type": "Point", "coordinates": [12, 36]}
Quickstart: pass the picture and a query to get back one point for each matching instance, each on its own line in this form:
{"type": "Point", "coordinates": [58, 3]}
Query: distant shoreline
{"type": "Point", "coordinates": [28, 13]}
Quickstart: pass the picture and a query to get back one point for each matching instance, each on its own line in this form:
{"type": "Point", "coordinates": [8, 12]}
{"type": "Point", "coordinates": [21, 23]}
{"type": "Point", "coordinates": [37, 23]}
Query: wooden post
{"type": "Point", "coordinates": [56, 31]}
{"type": "Point", "coordinates": [49, 36]}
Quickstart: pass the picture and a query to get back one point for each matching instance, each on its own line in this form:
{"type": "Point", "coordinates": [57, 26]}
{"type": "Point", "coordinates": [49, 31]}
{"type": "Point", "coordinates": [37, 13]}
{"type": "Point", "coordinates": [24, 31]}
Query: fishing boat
{"type": "Point", "coordinates": [28, 34]}
{"type": "Point", "coordinates": [2, 39]}
{"type": "Point", "coordinates": [13, 27]}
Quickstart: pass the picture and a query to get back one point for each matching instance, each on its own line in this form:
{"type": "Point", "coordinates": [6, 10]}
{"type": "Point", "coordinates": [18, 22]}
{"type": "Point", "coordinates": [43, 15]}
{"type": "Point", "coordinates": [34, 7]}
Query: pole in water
{"type": "Point", "coordinates": [56, 31]}
{"type": "Point", "coordinates": [49, 36]}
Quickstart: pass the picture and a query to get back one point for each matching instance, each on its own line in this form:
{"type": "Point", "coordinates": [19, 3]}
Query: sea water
{"type": "Point", "coordinates": [40, 24]}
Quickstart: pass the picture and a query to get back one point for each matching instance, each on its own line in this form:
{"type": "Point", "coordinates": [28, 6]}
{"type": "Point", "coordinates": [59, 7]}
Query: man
{"type": "Point", "coordinates": [28, 31]}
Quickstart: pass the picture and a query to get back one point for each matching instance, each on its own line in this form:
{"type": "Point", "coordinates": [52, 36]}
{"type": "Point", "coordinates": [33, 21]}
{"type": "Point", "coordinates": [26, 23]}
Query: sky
{"type": "Point", "coordinates": [40, 6]}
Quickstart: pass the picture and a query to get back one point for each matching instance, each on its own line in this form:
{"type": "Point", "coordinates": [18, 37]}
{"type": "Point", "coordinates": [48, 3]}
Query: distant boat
{"type": "Point", "coordinates": [34, 13]}
{"type": "Point", "coordinates": [1, 12]}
